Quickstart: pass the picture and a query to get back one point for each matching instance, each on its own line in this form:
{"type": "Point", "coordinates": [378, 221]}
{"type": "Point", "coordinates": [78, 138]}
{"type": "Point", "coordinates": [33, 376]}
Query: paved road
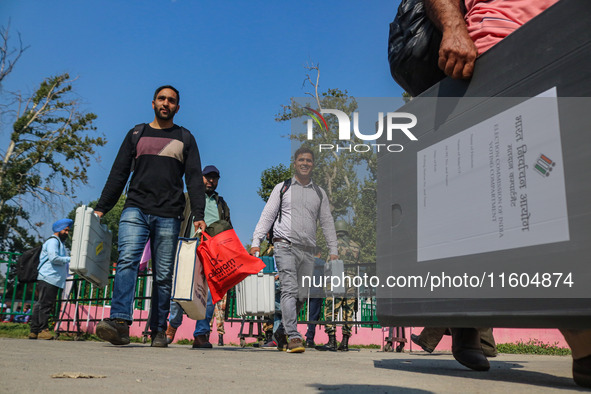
{"type": "Point", "coordinates": [28, 366]}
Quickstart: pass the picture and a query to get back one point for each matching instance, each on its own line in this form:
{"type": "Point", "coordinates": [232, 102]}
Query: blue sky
{"type": "Point", "coordinates": [234, 63]}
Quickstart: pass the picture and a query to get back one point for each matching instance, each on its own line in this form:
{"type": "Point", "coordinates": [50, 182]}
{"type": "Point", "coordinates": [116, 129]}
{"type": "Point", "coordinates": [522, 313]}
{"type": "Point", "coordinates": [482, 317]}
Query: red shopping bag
{"type": "Point", "coordinates": [225, 262]}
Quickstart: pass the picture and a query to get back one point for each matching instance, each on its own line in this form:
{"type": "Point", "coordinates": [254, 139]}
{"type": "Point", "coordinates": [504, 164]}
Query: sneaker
{"type": "Point", "coordinates": [220, 339]}
{"type": "Point", "coordinates": [270, 344]}
{"type": "Point", "coordinates": [417, 341]}
{"type": "Point", "coordinates": [281, 341]}
{"type": "Point", "coordinates": [295, 345]}
{"type": "Point", "coordinates": [33, 335]}
{"type": "Point", "coordinates": [115, 331]}
{"type": "Point", "coordinates": [159, 340]}
{"type": "Point", "coordinates": [170, 332]}
{"type": "Point", "coordinates": [45, 334]}
{"type": "Point", "coordinates": [201, 342]}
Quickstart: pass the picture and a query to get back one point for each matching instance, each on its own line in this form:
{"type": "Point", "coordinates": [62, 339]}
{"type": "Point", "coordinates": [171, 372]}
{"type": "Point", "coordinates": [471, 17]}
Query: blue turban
{"type": "Point", "coordinates": [62, 224]}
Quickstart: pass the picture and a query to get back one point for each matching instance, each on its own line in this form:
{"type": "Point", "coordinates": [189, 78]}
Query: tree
{"type": "Point", "coordinates": [8, 56]}
{"type": "Point", "coordinates": [406, 97]}
{"type": "Point", "coordinates": [349, 179]}
{"type": "Point", "coordinates": [47, 157]}
{"type": "Point", "coordinates": [271, 177]}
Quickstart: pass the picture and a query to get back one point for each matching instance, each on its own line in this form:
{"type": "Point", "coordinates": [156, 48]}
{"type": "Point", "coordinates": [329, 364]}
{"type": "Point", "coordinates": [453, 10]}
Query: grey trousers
{"type": "Point", "coordinates": [292, 264]}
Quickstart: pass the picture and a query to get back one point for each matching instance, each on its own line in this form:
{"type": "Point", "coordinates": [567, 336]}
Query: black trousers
{"type": "Point", "coordinates": [315, 307]}
{"type": "Point", "coordinates": [43, 306]}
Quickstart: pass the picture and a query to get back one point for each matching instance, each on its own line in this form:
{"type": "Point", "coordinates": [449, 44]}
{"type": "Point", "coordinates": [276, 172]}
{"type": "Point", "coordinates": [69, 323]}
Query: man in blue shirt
{"type": "Point", "coordinates": [53, 270]}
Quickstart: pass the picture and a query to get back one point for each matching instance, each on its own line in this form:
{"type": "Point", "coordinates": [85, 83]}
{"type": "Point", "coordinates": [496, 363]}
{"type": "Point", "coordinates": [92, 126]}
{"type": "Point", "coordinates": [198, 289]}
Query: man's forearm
{"type": "Point", "coordinates": [445, 14]}
{"type": "Point", "coordinates": [457, 52]}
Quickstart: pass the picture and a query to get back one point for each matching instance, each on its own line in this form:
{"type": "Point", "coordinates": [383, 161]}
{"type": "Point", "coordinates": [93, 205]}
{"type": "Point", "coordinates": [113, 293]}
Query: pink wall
{"type": "Point", "coordinates": [361, 335]}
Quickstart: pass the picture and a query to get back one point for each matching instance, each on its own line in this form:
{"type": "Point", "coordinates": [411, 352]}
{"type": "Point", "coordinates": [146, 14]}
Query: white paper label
{"type": "Point", "coordinates": [497, 185]}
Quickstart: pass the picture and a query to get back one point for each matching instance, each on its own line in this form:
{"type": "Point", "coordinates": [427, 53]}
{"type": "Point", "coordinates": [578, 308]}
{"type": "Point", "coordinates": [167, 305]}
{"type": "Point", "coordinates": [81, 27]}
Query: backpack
{"type": "Point", "coordinates": [138, 130]}
{"type": "Point", "coordinates": [286, 185]}
{"type": "Point", "coordinates": [27, 265]}
{"type": "Point", "coordinates": [413, 48]}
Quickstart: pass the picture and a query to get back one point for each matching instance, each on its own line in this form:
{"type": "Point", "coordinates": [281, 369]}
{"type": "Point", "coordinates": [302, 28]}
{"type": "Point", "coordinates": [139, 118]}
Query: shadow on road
{"type": "Point", "coordinates": [504, 371]}
{"type": "Point", "coordinates": [366, 388]}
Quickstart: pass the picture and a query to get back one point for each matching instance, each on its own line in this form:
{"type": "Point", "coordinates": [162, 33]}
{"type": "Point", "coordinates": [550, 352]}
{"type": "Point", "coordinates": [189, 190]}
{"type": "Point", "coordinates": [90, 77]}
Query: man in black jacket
{"type": "Point", "coordinates": [159, 154]}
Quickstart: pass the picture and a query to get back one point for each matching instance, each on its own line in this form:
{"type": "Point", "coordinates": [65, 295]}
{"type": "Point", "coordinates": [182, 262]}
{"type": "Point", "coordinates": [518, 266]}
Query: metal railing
{"type": "Point", "coordinates": [78, 292]}
{"type": "Point", "coordinates": [14, 296]}
{"type": "Point", "coordinates": [82, 293]}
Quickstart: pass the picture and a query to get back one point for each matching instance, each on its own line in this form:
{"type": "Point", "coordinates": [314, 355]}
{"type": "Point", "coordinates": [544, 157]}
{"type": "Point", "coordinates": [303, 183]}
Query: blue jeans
{"type": "Point", "coordinates": [176, 315]}
{"type": "Point", "coordinates": [202, 326]}
{"type": "Point", "coordinates": [135, 228]}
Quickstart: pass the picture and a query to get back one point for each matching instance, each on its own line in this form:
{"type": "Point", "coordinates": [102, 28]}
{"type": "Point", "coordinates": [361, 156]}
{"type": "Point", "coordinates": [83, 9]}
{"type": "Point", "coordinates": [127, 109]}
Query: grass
{"type": "Point", "coordinates": [19, 330]}
{"type": "Point", "coordinates": [365, 346]}
{"type": "Point", "coordinates": [14, 330]}
{"type": "Point", "coordinates": [533, 346]}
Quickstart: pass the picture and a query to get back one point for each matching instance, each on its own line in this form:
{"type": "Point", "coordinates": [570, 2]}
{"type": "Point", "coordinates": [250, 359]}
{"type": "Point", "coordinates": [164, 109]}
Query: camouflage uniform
{"type": "Point", "coordinates": [268, 324]}
{"type": "Point", "coordinates": [219, 313]}
{"type": "Point", "coordinates": [349, 253]}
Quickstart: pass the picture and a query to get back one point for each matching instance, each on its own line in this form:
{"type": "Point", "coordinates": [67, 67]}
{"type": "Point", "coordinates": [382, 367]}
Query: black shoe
{"type": "Point", "coordinates": [115, 331]}
{"type": "Point", "coordinates": [201, 342]}
{"type": "Point", "coordinates": [344, 346]}
{"type": "Point", "coordinates": [582, 371]}
{"type": "Point", "coordinates": [159, 340]}
{"type": "Point", "coordinates": [281, 340]}
{"type": "Point", "coordinates": [330, 346]}
{"type": "Point", "coordinates": [220, 339]}
{"type": "Point", "coordinates": [417, 341]}
{"type": "Point", "coordinates": [466, 349]}
{"type": "Point", "coordinates": [309, 344]}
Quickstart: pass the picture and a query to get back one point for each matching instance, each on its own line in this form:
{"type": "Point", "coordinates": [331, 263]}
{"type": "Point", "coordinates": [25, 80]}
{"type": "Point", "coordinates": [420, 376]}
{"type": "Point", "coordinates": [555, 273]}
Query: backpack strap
{"type": "Point", "coordinates": [223, 208]}
{"type": "Point", "coordinates": [57, 239]}
{"type": "Point", "coordinates": [286, 185]}
{"type": "Point", "coordinates": [138, 130]}
{"type": "Point", "coordinates": [186, 136]}
{"type": "Point", "coordinates": [319, 192]}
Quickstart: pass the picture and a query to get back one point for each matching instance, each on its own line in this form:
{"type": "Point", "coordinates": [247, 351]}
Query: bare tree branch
{"type": "Point", "coordinates": [8, 56]}
{"type": "Point", "coordinates": [315, 85]}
